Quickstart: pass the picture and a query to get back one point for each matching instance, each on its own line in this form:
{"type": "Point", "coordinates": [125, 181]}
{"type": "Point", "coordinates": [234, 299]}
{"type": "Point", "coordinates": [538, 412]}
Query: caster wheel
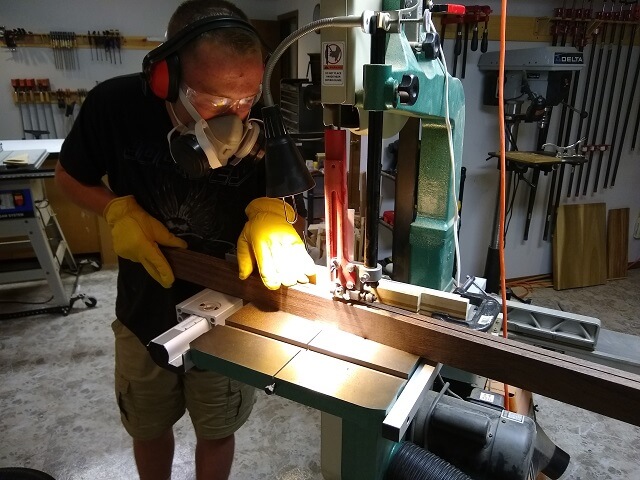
{"type": "Point", "coordinates": [90, 302]}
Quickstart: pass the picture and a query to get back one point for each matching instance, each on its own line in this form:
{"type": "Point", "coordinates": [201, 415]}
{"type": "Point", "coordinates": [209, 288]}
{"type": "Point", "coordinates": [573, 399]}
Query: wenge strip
{"type": "Point", "coordinates": [601, 389]}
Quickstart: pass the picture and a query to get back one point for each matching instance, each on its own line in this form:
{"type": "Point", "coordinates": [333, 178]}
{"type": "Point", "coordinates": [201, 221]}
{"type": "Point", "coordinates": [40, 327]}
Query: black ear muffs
{"type": "Point", "coordinates": [161, 66]}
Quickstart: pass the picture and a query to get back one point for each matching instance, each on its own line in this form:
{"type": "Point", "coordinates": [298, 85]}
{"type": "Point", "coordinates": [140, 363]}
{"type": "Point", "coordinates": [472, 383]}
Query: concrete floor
{"type": "Point", "coordinates": [58, 415]}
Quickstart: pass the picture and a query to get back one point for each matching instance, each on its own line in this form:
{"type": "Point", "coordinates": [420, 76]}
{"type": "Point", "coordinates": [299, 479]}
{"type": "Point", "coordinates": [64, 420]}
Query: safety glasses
{"type": "Point", "coordinates": [214, 105]}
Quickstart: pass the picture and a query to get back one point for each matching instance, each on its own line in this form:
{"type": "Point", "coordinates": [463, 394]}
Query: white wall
{"type": "Point", "coordinates": [481, 136]}
{"type": "Point", "coordinates": [142, 18]}
{"type": "Point", "coordinates": [149, 17]}
{"type": "Point", "coordinates": [309, 43]}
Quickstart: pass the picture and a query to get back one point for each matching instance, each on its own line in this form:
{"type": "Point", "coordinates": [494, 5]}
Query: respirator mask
{"type": "Point", "coordinates": [209, 144]}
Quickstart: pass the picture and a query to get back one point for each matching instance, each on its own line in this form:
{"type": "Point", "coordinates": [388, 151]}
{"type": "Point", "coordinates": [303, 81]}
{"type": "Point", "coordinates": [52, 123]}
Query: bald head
{"type": "Point", "coordinates": [237, 40]}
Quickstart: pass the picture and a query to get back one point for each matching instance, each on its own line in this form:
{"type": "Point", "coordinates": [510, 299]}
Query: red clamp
{"type": "Point", "coordinates": [477, 13]}
{"type": "Point", "coordinates": [448, 9]}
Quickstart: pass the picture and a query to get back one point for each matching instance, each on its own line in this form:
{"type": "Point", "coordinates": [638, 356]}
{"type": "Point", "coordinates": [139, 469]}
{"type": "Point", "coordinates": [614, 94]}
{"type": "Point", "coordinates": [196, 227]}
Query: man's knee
{"type": "Point", "coordinates": [149, 397]}
{"type": "Point", "coordinates": [218, 405]}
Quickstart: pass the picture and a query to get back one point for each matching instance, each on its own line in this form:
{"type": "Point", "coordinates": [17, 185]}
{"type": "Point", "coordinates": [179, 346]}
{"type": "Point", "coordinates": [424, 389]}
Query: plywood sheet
{"type": "Point", "coordinates": [617, 243]}
{"type": "Point", "coordinates": [579, 246]}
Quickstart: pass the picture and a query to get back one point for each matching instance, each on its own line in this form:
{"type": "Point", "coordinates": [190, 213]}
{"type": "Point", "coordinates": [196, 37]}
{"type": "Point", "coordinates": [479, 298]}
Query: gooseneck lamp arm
{"type": "Point", "coordinates": [346, 22]}
{"type": "Point", "coordinates": [286, 170]}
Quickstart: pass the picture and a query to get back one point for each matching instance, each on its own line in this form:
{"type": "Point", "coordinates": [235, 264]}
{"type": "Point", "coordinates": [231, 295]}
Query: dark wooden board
{"type": "Point", "coordinates": [617, 243]}
{"type": "Point", "coordinates": [588, 385]}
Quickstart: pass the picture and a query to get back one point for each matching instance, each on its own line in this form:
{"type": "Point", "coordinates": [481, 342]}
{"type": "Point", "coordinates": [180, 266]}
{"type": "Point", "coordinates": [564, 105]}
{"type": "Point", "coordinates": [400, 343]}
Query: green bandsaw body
{"type": "Point", "coordinates": [431, 233]}
{"type": "Point", "coordinates": [364, 452]}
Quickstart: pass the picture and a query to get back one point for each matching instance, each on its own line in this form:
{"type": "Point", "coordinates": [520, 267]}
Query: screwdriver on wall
{"type": "Point", "coordinates": [118, 44]}
{"type": "Point", "coordinates": [484, 44]}
{"type": "Point", "coordinates": [443, 30]}
{"type": "Point", "coordinates": [457, 49]}
{"type": "Point", "coordinates": [17, 99]}
{"type": "Point", "coordinates": [474, 34]}
{"type": "Point", "coordinates": [464, 49]}
{"type": "Point", "coordinates": [90, 42]}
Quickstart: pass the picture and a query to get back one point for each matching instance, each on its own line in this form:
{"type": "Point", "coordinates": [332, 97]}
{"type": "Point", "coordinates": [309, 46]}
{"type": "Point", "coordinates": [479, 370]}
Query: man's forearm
{"type": "Point", "coordinates": [90, 197]}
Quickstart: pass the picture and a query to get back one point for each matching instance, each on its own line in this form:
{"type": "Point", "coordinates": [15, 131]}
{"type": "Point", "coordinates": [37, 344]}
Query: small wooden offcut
{"type": "Point", "coordinates": [617, 243]}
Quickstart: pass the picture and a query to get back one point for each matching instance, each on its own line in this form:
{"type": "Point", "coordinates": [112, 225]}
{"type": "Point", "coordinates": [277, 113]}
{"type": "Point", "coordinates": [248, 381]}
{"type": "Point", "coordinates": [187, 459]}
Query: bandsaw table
{"type": "Point", "coordinates": [367, 392]}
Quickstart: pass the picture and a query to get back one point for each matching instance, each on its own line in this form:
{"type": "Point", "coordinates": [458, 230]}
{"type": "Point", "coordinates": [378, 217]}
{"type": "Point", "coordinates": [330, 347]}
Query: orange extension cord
{"type": "Point", "coordinates": [503, 285]}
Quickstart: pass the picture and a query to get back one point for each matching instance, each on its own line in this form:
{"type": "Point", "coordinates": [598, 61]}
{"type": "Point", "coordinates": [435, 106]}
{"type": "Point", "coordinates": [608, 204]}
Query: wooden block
{"type": "Point", "coordinates": [579, 246]}
{"type": "Point", "coordinates": [421, 299]}
{"type": "Point", "coordinates": [617, 243]}
{"type": "Point", "coordinates": [435, 301]}
{"type": "Point", "coordinates": [401, 295]}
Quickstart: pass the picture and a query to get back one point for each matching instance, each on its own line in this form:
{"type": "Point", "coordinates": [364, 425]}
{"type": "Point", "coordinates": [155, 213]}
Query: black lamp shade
{"type": "Point", "coordinates": [286, 170]}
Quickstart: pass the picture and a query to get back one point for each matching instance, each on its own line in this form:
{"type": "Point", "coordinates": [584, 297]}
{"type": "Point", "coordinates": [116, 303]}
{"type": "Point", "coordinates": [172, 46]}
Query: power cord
{"type": "Point", "coordinates": [448, 391]}
{"type": "Point", "coordinates": [19, 302]}
{"type": "Point", "coordinates": [81, 264]}
{"type": "Point", "coordinates": [456, 216]}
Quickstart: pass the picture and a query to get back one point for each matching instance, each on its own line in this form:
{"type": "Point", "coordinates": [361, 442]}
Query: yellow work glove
{"type": "Point", "coordinates": [272, 243]}
{"type": "Point", "coordinates": [136, 236]}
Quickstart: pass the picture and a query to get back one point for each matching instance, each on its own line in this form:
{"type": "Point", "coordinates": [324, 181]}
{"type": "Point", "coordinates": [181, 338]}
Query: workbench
{"type": "Point", "coordinates": [26, 218]}
{"type": "Point", "coordinates": [86, 232]}
{"type": "Point", "coordinates": [519, 163]}
{"type": "Point", "coordinates": [539, 162]}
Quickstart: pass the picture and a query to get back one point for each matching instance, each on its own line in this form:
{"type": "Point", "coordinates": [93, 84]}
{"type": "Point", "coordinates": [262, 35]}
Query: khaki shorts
{"type": "Point", "coordinates": [151, 399]}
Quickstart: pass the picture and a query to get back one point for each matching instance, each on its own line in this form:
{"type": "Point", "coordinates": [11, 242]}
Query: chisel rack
{"type": "Point", "coordinates": [105, 46]}
{"type": "Point", "coordinates": [108, 39]}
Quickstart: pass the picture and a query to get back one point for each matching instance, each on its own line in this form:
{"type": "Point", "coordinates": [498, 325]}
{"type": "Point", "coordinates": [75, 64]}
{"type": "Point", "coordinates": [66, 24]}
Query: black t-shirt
{"type": "Point", "coordinates": [121, 131]}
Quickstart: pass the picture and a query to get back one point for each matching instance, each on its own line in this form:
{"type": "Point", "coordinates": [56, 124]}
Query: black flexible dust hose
{"type": "Point", "coordinates": [411, 462]}
{"type": "Point", "coordinates": [20, 473]}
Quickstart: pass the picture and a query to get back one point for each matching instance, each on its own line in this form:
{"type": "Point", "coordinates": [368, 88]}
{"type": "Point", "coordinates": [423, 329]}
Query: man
{"type": "Point", "coordinates": [124, 130]}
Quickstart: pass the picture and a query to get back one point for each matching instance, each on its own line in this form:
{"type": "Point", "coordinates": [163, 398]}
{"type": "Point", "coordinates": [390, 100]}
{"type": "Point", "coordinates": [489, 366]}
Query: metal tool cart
{"type": "Point", "coordinates": [27, 218]}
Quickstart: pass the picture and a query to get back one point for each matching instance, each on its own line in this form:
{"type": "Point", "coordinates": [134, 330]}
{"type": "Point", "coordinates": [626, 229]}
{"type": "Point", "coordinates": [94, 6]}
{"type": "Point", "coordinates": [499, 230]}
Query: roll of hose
{"type": "Point", "coordinates": [410, 462]}
{"type": "Point", "coordinates": [20, 473]}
